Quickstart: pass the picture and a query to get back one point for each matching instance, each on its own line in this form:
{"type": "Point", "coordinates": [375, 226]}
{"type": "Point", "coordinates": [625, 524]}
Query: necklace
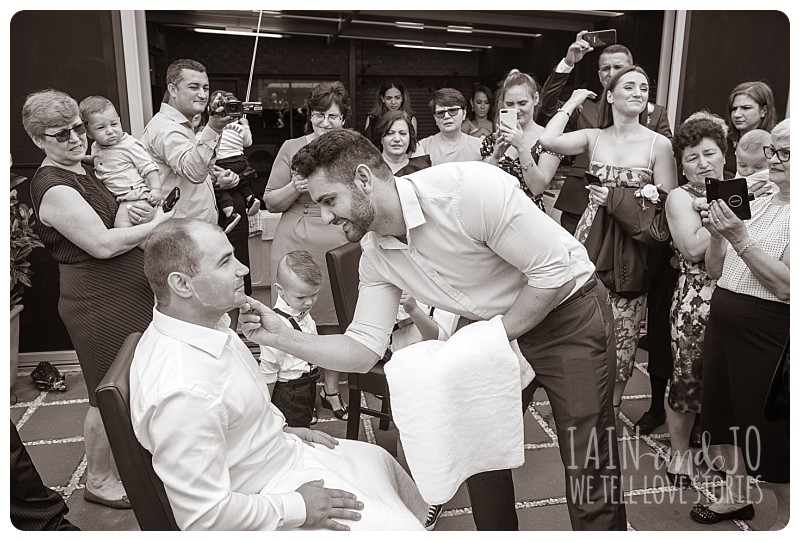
{"type": "Point", "coordinates": [695, 190]}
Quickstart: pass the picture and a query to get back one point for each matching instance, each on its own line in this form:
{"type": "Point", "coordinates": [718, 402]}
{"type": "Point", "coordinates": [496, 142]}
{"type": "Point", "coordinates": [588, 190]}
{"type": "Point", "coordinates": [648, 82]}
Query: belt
{"type": "Point", "coordinates": [582, 291]}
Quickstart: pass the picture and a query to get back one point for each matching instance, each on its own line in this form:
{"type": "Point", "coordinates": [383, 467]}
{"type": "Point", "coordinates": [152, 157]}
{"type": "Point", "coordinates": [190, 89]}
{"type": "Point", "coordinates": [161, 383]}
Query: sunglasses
{"type": "Point", "coordinates": [452, 111]}
{"type": "Point", "coordinates": [783, 153]}
{"type": "Point", "coordinates": [63, 135]}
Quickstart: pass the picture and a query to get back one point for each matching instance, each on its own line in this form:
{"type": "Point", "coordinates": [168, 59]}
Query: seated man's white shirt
{"type": "Point", "coordinates": [278, 365]}
{"type": "Point", "coordinates": [408, 333]}
{"type": "Point", "coordinates": [200, 406]}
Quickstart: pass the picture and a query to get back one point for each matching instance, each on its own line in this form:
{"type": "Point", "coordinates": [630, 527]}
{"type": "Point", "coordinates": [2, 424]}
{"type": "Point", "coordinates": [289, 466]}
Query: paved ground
{"type": "Point", "coordinates": [51, 425]}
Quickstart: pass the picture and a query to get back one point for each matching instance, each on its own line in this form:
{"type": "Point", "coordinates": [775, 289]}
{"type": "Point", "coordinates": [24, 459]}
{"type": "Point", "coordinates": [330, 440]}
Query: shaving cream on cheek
{"type": "Point", "coordinates": [217, 294]}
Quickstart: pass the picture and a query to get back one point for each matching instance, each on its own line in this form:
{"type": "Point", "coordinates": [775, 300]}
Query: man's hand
{"type": "Point", "coordinates": [217, 119]}
{"type": "Point", "coordinates": [578, 50]}
{"type": "Point", "coordinates": [259, 323]}
{"type": "Point", "coordinates": [323, 505]}
{"type": "Point", "coordinates": [310, 437]}
{"type": "Point", "coordinates": [225, 179]}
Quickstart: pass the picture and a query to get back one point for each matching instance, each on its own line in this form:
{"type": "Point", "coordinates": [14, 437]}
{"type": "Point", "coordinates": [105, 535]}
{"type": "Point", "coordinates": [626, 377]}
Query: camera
{"type": "Point", "coordinates": [235, 108]}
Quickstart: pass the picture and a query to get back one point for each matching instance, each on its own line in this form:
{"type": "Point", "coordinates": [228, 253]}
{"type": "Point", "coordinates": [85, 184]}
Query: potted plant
{"type": "Point", "coordinates": [23, 241]}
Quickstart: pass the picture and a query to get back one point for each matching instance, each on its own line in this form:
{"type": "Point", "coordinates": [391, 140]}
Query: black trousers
{"type": "Point", "coordinates": [296, 398]}
{"type": "Point", "coordinates": [574, 355]}
{"type": "Point", "coordinates": [34, 507]}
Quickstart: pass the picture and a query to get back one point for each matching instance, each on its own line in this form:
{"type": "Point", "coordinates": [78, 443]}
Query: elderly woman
{"type": "Point", "coordinates": [104, 295]}
{"type": "Point", "coordinates": [301, 226]}
{"type": "Point", "coordinates": [398, 141]}
{"type": "Point", "coordinates": [751, 105]}
{"type": "Point", "coordinates": [747, 328]}
{"type": "Point", "coordinates": [699, 145]}
{"type": "Point", "coordinates": [516, 149]}
{"type": "Point", "coordinates": [623, 154]}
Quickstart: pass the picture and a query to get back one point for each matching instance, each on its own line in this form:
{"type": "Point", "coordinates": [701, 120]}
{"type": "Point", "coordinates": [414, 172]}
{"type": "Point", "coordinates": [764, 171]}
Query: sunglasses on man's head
{"type": "Point", "coordinates": [452, 111]}
{"type": "Point", "coordinates": [63, 135]}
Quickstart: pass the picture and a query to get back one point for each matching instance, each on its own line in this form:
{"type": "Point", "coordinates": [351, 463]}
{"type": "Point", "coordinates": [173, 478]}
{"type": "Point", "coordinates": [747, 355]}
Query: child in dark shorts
{"type": "Point", "coordinates": [291, 380]}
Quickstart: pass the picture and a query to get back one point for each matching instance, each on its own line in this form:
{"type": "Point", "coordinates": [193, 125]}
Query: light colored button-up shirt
{"type": "Point", "coordinates": [183, 160]}
{"type": "Point", "coordinates": [124, 166]}
{"type": "Point", "coordinates": [278, 365]}
{"type": "Point", "coordinates": [474, 242]}
{"type": "Point", "coordinates": [200, 406]}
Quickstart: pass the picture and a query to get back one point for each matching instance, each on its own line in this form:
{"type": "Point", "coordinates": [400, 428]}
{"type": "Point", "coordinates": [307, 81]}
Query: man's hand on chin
{"type": "Point", "coordinates": [259, 323]}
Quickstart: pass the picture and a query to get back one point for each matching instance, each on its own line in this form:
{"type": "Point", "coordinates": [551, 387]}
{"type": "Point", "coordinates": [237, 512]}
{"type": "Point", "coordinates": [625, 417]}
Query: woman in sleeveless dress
{"type": "Point", "coordinates": [301, 226]}
{"type": "Point", "coordinates": [700, 144]}
{"type": "Point", "coordinates": [390, 96]}
{"type": "Point", "coordinates": [623, 153]}
{"type": "Point", "coordinates": [517, 149]}
{"type": "Point", "coordinates": [103, 293]}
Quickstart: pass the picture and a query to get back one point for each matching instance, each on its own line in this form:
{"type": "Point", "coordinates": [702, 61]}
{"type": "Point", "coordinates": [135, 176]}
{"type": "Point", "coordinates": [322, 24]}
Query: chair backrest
{"type": "Point", "coordinates": [343, 272]}
{"type": "Point", "coordinates": [135, 463]}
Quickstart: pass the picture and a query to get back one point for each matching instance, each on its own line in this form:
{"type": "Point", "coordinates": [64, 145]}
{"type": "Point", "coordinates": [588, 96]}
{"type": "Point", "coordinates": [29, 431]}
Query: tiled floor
{"type": "Point", "coordinates": [51, 425]}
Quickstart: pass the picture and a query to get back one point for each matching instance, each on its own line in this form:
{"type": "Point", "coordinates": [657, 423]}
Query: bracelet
{"type": "Point", "coordinates": [526, 165]}
{"type": "Point", "coordinates": [746, 247]}
{"type": "Point", "coordinates": [560, 110]}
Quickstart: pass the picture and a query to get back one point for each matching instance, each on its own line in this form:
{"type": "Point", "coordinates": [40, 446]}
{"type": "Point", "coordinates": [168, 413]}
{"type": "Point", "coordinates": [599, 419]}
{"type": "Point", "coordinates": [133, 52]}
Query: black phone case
{"type": "Point", "coordinates": [172, 198]}
{"type": "Point", "coordinates": [733, 192]}
{"type": "Point", "coordinates": [592, 179]}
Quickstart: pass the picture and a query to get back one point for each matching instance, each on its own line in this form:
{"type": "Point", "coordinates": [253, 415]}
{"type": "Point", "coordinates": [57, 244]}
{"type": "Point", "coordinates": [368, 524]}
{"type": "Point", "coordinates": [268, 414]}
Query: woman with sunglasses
{"type": "Point", "coordinates": [748, 326]}
{"type": "Point", "coordinates": [76, 216]}
{"type": "Point", "coordinates": [449, 110]}
{"type": "Point", "coordinates": [300, 226]}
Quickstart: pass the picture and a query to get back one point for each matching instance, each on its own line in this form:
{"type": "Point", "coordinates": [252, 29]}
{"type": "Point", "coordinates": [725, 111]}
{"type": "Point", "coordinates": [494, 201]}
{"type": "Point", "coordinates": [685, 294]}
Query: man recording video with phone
{"type": "Point", "coordinates": [184, 158]}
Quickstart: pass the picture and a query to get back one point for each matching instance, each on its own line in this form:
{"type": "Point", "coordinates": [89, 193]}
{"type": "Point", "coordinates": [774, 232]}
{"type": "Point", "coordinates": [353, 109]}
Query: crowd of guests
{"type": "Point", "coordinates": [637, 238]}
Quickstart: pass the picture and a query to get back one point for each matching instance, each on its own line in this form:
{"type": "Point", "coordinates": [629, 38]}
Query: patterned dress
{"type": "Point", "coordinates": [688, 316]}
{"type": "Point", "coordinates": [513, 167]}
{"type": "Point", "coordinates": [628, 313]}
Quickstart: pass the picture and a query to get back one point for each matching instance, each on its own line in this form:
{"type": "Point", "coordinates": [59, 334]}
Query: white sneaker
{"type": "Point", "coordinates": [434, 512]}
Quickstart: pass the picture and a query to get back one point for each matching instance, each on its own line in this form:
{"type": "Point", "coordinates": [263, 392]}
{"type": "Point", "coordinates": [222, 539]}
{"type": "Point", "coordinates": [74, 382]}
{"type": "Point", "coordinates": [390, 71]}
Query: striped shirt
{"type": "Point", "coordinates": [474, 242]}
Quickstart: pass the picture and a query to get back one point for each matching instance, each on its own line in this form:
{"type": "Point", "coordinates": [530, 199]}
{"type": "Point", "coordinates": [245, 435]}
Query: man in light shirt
{"type": "Point", "coordinates": [185, 159]}
{"type": "Point", "coordinates": [201, 407]}
{"type": "Point", "coordinates": [464, 238]}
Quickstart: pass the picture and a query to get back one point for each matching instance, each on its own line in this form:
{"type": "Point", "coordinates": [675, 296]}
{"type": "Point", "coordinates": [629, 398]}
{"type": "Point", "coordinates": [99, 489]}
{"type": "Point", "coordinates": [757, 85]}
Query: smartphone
{"type": "Point", "coordinates": [171, 199]}
{"type": "Point", "coordinates": [733, 192]}
{"type": "Point", "coordinates": [600, 38]}
{"type": "Point", "coordinates": [592, 179]}
{"type": "Point", "coordinates": [508, 117]}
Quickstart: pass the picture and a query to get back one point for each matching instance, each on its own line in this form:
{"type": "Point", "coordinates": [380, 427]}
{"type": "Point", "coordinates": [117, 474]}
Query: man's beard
{"type": "Point", "coordinates": [363, 216]}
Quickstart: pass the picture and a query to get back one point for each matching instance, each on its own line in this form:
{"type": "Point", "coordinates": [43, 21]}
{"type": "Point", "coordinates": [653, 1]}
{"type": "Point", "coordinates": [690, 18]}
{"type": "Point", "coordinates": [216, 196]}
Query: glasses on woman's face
{"type": "Point", "coordinates": [330, 117]}
{"type": "Point", "coordinates": [782, 153]}
{"type": "Point", "coordinates": [452, 111]}
{"type": "Point", "coordinates": [63, 135]}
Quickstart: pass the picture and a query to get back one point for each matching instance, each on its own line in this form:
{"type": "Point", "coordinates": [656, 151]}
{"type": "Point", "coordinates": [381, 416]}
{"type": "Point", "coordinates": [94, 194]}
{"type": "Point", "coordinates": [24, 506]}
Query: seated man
{"type": "Point", "coordinates": [222, 449]}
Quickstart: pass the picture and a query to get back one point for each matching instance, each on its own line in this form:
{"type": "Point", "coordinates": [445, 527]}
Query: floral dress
{"type": "Point", "coordinates": [628, 312]}
{"type": "Point", "coordinates": [688, 316]}
{"type": "Point", "coordinates": [513, 167]}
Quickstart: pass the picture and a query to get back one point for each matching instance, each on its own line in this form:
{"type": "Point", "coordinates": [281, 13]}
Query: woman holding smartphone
{"type": "Point", "coordinates": [623, 153]}
{"type": "Point", "coordinates": [515, 146]}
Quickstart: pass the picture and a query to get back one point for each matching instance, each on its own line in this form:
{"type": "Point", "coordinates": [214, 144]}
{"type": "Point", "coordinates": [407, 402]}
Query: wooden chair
{"type": "Point", "coordinates": [343, 272]}
{"type": "Point", "coordinates": [135, 463]}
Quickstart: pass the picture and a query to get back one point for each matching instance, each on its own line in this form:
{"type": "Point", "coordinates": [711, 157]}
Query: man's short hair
{"type": "Point", "coordinates": [754, 140]}
{"type": "Point", "coordinates": [171, 247]}
{"type": "Point", "coordinates": [94, 105]}
{"type": "Point", "coordinates": [338, 153]}
{"type": "Point", "coordinates": [617, 48]}
{"type": "Point", "coordinates": [447, 97]}
{"type": "Point", "coordinates": [303, 265]}
{"type": "Point", "coordinates": [175, 69]}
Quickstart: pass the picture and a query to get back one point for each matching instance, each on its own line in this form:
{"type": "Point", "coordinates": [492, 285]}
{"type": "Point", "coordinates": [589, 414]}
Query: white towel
{"type": "Point", "coordinates": [457, 405]}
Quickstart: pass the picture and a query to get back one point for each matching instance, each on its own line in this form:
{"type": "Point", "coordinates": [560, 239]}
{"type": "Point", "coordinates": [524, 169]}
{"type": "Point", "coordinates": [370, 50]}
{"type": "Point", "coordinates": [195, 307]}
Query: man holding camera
{"type": "Point", "coordinates": [184, 158]}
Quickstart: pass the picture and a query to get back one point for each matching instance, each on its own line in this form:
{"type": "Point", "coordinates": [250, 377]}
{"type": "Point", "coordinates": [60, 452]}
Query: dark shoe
{"type": "Point", "coordinates": [679, 480]}
{"type": "Point", "coordinates": [339, 414]}
{"type": "Point", "coordinates": [121, 503]}
{"type": "Point", "coordinates": [434, 512]}
{"type": "Point", "coordinates": [254, 204]}
{"type": "Point", "coordinates": [230, 222]}
{"type": "Point", "coordinates": [647, 423]}
{"type": "Point", "coordinates": [701, 513]}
